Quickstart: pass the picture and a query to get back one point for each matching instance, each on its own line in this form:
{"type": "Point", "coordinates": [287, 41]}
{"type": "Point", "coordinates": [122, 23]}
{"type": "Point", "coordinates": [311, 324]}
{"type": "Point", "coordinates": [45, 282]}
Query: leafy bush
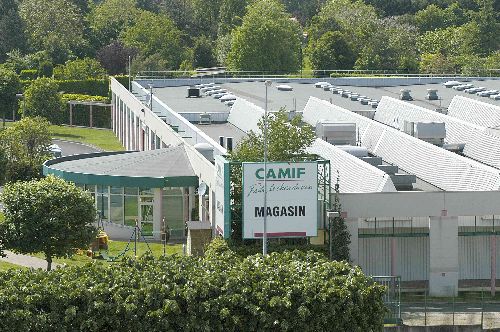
{"type": "Point", "coordinates": [80, 69]}
{"type": "Point", "coordinates": [42, 98]}
{"type": "Point", "coordinates": [101, 116]}
{"type": "Point", "coordinates": [84, 87]}
{"type": "Point", "coordinates": [292, 291]}
{"type": "Point", "coordinates": [28, 74]}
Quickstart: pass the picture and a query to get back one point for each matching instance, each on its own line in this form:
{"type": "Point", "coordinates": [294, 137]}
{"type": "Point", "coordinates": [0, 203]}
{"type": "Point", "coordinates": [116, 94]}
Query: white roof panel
{"type": "Point", "coordinates": [475, 111]}
{"type": "Point", "coordinates": [433, 164]}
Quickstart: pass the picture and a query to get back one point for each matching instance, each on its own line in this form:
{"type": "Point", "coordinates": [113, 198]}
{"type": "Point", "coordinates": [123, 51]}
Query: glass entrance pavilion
{"type": "Point", "coordinates": [155, 189]}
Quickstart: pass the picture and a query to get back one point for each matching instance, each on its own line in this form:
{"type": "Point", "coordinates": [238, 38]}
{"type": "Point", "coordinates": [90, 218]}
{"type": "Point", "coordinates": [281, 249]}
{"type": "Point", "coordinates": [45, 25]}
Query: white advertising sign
{"type": "Point", "coordinates": [292, 199]}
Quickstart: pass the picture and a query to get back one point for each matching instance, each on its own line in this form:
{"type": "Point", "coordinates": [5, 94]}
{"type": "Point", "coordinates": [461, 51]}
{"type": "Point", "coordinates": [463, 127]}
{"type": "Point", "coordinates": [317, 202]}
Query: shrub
{"type": "Point", "coordinates": [84, 87]}
{"type": "Point", "coordinates": [28, 74]}
{"type": "Point", "coordinates": [80, 69]}
{"type": "Point", "coordinates": [291, 291]}
{"type": "Point", "coordinates": [43, 99]}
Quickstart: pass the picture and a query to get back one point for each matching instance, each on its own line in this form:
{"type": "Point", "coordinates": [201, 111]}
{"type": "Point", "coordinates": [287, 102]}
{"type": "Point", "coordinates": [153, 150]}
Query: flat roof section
{"type": "Point", "coordinates": [176, 98]}
{"type": "Point", "coordinates": [297, 99]}
{"type": "Point", "coordinates": [226, 129]}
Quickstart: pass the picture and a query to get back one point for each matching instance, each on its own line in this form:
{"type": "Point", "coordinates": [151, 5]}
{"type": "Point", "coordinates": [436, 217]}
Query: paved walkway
{"type": "Point", "coordinates": [25, 260]}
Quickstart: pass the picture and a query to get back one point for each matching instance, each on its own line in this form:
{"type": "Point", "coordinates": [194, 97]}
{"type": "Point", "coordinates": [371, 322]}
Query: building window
{"type": "Point", "coordinates": [173, 211]}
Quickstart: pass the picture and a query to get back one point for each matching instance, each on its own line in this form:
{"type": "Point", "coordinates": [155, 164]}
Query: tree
{"type": "Point", "coordinates": [231, 15]}
{"type": "Point", "coordinates": [24, 147]}
{"type": "Point", "coordinates": [114, 57]}
{"type": "Point", "coordinates": [54, 26]}
{"type": "Point", "coordinates": [488, 24]}
{"type": "Point", "coordinates": [434, 17]}
{"type": "Point", "coordinates": [111, 17]}
{"type": "Point", "coordinates": [206, 16]}
{"type": "Point", "coordinates": [287, 140]}
{"type": "Point", "coordinates": [79, 69]}
{"type": "Point", "coordinates": [203, 52]}
{"type": "Point", "coordinates": [450, 41]}
{"type": "Point", "coordinates": [268, 40]}
{"type": "Point", "coordinates": [154, 34]}
{"type": "Point", "coordinates": [42, 98]}
{"type": "Point", "coordinates": [11, 28]}
{"type": "Point", "coordinates": [340, 238]}
{"type": "Point", "coordinates": [48, 215]}
{"type": "Point", "coordinates": [331, 51]}
{"type": "Point", "coordinates": [9, 86]}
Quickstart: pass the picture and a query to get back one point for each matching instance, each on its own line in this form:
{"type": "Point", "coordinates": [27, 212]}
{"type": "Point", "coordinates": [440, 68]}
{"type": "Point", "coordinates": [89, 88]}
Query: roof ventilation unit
{"type": "Point", "coordinates": [430, 132]}
{"type": "Point", "coordinates": [193, 92]}
{"type": "Point", "coordinates": [441, 110]}
{"type": "Point", "coordinates": [336, 133]}
{"type": "Point", "coordinates": [405, 95]}
{"type": "Point", "coordinates": [457, 148]}
{"type": "Point", "coordinates": [432, 94]}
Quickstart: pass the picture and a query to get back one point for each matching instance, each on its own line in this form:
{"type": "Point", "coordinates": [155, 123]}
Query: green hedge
{"type": "Point", "coordinates": [84, 87]}
{"type": "Point", "coordinates": [291, 291]}
{"type": "Point", "coordinates": [101, 116]}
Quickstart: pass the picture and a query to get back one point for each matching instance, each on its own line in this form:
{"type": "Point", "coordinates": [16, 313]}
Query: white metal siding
{"type": "Point", "coordinates": [474, 111]}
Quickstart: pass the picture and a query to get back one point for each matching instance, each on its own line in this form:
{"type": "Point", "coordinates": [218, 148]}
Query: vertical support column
{"type": "Point", "coordinates": [493, 254]}
{"type": "Point", "coordinates": [157, 212]}
{"type": "Point", "coordinates": [394, 258]}
{"type": "Point", "coordinates": [443, 242]}
{"type": "Point", "coordinates": [71, 114]}
{"type": "Point", "coordinates": [91, 120]}
{"type": "Point", "coordinates": [185, 204]}
{"type": "Point", "coordinates": [353, 228]}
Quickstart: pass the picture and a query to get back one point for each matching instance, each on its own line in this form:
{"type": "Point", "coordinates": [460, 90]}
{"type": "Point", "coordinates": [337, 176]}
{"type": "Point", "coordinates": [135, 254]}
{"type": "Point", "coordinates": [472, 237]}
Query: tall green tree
{"type": "Point", "coordinates": [9, 87]}
{"type": "Point", "coordinates": [11, 28]}
{"type": "Point", "coordinates": [434, 17]}
{"type": "Point", "coordinates": [155, 35]}
{"type": "Point", "coordinates": [48, 215]}
{"type": "Point", "coordinates": [42, 98]}
{"type": "Point", "coordinates": [339, 238]}
{"type": "Point", "coordinates": [55, 26]}
{"type": "Point", "coordinates": [110, 18]}
{"type": "Point", "coordinates": [231, 15]}
{"type": "Point", "coordinates": [488, 23]}
{"type": "Point", "coordinates": [268, 40]}
{"type": "Point", "coordinates": [331, 51]}
{"type": "Point", "coordinates": [24, 147]}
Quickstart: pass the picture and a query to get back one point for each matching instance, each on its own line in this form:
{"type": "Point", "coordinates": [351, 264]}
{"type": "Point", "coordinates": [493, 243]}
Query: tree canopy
{"type": "Point", "coordinates": [9, 87]}
{"type": "Point", "coordinates": [48, 215]}
{"type": "Point", "coordinates": [24, 147]}
{"type": "Point", "coordinates": [42, 98]}
{"type": "Point", "coordinates": [268, 40]}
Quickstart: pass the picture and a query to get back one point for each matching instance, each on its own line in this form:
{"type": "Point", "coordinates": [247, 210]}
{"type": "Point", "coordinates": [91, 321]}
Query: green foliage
{"type": "Point", "coordinates": [155, 35]}
{"type": "Point", "coordinates": [231, 15]}
{"type": "Point", "coordinates": [42, 98]}
{"type": "Point", "coordinates": [47, 215]}
{"type": "Point", "coordinates": [291, 291]}
{"type": "Point", "coordinates": [340, 236]}
{"type": "Point", "coordinates": [434, 18]}
{"type": "Point", "coordinates": [28, 74]}
{"type": "Point", "coordinates": [9, 86]}
{"type": "Point", "coordinates": [203, 53]}
{"type": "Point", "coordinates": [23, 149]}
{"type": "Point", "coordinates": [11, 28]}
{"type": "Point", "coordinates": [432, 63]}
{"type": "Point", "coordinates": [111, 17]}
{"type": "Point", "coordinates": [54, 26]}
{"type": "Point", "coordinates": [91, 87]}
{"type": "Point", "coordinates": [450, 41]}
{"type": "Point", "coordinates": [331, 51]}
{"type": "Point", "coordinates": [268, 40]}
{"type": "Point", "coordinates": [80, 69]}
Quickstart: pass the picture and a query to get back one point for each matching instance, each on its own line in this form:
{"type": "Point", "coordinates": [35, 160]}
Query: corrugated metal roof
{"type": "Point", "coordinates": [433, 164]}
{"type": "Point", "coordinates": [474, 111]}
{"type": "Point", "coordinates": [355, 175]}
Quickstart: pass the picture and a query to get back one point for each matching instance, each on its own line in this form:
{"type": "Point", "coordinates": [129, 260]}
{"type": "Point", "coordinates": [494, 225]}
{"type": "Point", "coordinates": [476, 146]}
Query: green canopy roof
{"type": "Point", "coordinates": [159, 168]}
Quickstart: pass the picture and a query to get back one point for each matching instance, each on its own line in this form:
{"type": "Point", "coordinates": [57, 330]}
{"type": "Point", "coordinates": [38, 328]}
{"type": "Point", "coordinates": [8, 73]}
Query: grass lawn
{"type": "Point", "coordinates": [6, 266]}
{"type": "Point", "coordinates": [2, 218]}
{"type": "Point", "coordinates": [115, 248]}
{"type": "Point", "coordinates": [102, 138]}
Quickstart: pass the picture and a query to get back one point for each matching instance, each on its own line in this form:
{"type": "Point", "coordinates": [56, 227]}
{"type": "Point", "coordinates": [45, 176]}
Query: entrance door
{"type": "Point", "coordinates": [146, 219]}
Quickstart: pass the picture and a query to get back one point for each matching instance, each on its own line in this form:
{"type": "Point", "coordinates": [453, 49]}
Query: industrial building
{"type": "Point", "coordinates": [418, 162]}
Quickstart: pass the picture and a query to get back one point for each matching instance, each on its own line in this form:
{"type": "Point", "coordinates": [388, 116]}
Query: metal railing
{"type": "Point", "coordinates": [391, 297]}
